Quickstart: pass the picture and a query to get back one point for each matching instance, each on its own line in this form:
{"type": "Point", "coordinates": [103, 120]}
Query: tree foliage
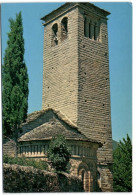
{"type": "Point", "coordinates": [14, 80]}
{"type": "Point", "coordinates": [122, 167]}
{"type": "Point", "coordinates": [59, 153]}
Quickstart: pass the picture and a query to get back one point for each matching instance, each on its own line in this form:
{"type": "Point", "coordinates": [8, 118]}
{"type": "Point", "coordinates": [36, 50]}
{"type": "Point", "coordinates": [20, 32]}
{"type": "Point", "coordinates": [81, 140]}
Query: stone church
{"type": "Point", "coordinates": [76, 94]}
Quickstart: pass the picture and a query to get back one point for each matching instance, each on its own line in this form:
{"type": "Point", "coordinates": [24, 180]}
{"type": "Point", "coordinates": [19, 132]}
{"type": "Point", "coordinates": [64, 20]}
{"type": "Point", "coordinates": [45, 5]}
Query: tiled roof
{"type": "Point", "coordinates": [53, 127]}
{"type": "Point", "coordinates": [50, 129]}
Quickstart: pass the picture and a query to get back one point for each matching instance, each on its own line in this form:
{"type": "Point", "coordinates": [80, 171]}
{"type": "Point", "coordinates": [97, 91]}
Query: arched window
{"type": "Point", "coordinates": [95, 32]}
{"type": "Point", "coordinates": [64, 28]}
{"type": "Point", "coordinates": [55, 34]}
{"type": "Point", "coordinates": [85, 27]}
{"type": "Point", "coordinates": [90, 30]}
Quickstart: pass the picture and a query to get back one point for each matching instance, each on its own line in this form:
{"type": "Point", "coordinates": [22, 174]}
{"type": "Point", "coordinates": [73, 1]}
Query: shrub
{"type": "Point", "coordinates": [59, 153]}
{"type": "Point", "coordinates": [26, 162]}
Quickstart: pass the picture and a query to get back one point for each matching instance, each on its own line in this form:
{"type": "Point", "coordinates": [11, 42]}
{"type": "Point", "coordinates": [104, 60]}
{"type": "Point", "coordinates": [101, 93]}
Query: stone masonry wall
{"type": "Point", "coordinates": [106, 177]}
{"type": "Point", "coordinates": [90, 168]}
{"type": "Point", "coordinates": [60, 68]}
{"type": "Point", "coordinates": [94, 115]}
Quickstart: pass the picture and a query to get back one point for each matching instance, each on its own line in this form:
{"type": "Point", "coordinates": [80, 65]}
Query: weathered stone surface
{"type": "Point", "coordinates": [45, 125]}
{"type": "Point", "coordinates": [39, 115]}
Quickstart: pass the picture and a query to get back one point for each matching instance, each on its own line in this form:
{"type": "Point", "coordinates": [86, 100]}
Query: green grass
{"type": "Point", "coordinates": [39, 164]}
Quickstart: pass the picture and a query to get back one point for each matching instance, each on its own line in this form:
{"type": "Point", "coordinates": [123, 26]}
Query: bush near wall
{"type": "Point", "coordinates": [28, 179]}
{"type": "Point", "coordinates": [39, 164]}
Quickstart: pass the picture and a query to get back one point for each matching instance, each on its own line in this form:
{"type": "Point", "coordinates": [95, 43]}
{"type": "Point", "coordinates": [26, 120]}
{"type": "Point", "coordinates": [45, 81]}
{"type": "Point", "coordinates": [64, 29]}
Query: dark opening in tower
{"type": "Point", "coordinates": [64, 28]}
{"type": "Point", "coordinates": [55, 34]}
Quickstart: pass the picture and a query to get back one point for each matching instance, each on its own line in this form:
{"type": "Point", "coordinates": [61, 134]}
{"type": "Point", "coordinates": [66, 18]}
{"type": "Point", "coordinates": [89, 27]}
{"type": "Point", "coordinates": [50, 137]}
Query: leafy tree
{"type": "Point", "coordinates": [15, 80]}
{"type": "Point", "coordinates": [122, 167]}
{"type": "Point", "coordinates": [59, 153]}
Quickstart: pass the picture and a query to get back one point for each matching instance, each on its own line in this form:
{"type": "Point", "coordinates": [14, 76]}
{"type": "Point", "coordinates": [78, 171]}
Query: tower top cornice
{"type": "Point", "coordinates": [68, 6]}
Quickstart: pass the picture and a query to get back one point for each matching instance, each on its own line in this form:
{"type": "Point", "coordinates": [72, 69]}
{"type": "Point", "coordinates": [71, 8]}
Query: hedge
{"type": "Point", "coordinates": [28, 179]}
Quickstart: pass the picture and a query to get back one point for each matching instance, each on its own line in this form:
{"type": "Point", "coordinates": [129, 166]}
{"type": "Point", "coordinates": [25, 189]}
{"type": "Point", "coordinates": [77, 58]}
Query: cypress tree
{"type": "Point", "coordinates": [14, 80]}
{"type": "Point", "coordinates": [122, 166]}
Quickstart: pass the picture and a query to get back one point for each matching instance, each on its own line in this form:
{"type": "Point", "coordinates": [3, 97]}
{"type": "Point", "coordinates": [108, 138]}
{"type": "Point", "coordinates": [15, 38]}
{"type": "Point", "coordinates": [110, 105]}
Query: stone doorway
{"type": "Point", "coordinates": [85, 175]}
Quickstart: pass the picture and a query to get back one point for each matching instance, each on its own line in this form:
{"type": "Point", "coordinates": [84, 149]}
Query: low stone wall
{"type": "Point", "coordinates": [9, 147]}
{"type": "Point", "coordinates": [28, 179]}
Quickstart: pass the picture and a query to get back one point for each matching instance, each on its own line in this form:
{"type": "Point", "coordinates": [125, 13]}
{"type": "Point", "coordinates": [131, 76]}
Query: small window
{"type": "Point", "coordinates": [72, 150]}
{"type": "Point", "coordinates": [41, 148]}
{"type": "Point", "coordinates": [85, 27]}
{"type": "Point", "coordinates": [95, 32]}
{"type": "Point", "coordinates": [55, 34]}
{"type": "Point", "coordinates": [20, 149]}
{"type": "Point", "coordinates": [37, 148]}
{"type": "Point", "coordinates": [75, 150]}
{"type": "Point", "coordinates": [44, 149]}
{"type": "Point", "coordinates": [90, 30]}
{"type": "Point", "coordinates": [34, 149]}
{"type": "Point", "coordinates": [64, 28]}
{"type": "Point", "coordinates": [27, 149]}
{"type": "Point", "coordinates": [31, 149]}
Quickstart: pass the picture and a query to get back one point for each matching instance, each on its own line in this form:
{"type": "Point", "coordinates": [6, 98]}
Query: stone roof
{"type": "Point", "coordinates": [68, 6]}
{"type": "Point", "coordinates": [50, 129]}
{"type": "Point", "coordinates": [34, 115]}
{"type": "Point", "coordinates": [53, 127]}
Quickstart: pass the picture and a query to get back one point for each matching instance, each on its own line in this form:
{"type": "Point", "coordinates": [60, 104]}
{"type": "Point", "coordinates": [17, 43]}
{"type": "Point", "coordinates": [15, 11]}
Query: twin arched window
{"type": "Point", "coordinates": [91, 29]}
{"type": "Point", "coordinates": [60, 33]}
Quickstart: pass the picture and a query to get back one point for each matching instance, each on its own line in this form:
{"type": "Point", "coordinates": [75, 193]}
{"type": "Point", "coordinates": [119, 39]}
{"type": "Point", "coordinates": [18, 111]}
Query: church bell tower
{"type": "Point", "coordinates": [76, 74]}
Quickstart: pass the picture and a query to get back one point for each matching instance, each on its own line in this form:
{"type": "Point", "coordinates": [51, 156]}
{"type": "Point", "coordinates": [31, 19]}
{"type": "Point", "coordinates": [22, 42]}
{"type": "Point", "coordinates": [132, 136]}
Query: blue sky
{"type": "Point", "coordinates": [120, 56]}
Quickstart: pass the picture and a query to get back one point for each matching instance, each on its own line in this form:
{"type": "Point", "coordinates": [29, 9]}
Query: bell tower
{"type": "Point", "coordinates": [60, 61]}
{"type": "Point", "coordinates": [76, 74]}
